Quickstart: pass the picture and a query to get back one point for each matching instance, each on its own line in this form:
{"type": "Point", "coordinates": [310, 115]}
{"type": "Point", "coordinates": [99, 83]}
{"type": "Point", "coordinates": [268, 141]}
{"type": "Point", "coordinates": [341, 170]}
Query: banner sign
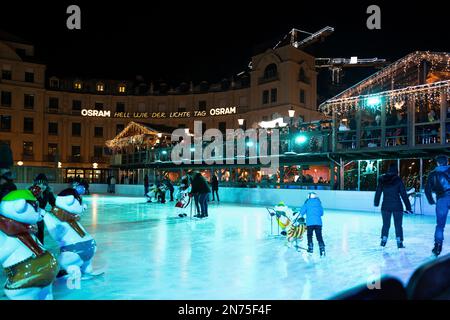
{"type": "Point", "coordinates": [158, 115]}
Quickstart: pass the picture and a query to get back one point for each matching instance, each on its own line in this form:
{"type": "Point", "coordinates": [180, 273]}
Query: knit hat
{"type": "Point", "coordinates": [393, 169]}
{"type": "Point", "coordinates": [18, 195]}
{"type": "Point", "coordinates": [41, 179]}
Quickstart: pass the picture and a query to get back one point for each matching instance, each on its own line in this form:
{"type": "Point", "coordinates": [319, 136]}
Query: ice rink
{"type": "Point", "coordinates": [148, 252]}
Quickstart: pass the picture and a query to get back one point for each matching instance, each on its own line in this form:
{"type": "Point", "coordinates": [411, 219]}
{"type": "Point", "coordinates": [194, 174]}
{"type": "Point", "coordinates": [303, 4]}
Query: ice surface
{"type": "Point", "coordinates": [148, 252]}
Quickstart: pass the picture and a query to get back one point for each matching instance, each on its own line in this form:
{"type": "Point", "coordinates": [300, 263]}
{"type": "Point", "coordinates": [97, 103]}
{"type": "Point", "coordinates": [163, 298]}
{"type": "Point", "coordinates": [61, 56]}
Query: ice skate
{"type": "Point", "coordinates": [322, 252]}
{"type": "Point", "coordinates": [310, 248]}
{"type": "Point", "coordinates": [437, 249]}
{"type": "Point", "coordinates": [383, 242]}
{"type": "Point", "coordinates": [400, 244]}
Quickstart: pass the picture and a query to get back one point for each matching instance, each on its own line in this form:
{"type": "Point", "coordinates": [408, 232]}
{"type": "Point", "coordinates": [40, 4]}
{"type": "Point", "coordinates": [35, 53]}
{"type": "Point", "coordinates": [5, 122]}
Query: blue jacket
{"type": "Point", "coordinates": [438, 182]}
{"type": "Point", "coordinates": [314, 212]}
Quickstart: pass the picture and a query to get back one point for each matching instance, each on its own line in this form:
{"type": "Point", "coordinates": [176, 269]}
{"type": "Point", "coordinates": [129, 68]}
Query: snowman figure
{"type": "Point", "coordinates": [77, 247]}
{"type": "Point", "coordinates": [30, 269]}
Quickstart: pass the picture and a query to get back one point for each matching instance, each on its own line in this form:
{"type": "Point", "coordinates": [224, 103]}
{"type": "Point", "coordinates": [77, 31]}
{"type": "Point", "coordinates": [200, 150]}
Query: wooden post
{"type": "Point", "coordinates": [411, 112]}
{"type": "Point", "coordinates": [341, 174]}
{"type": "Point", "coordinates": [358, 128]}
{"type": "Point", "coordinates": [383, 126]}
{"type": "Point", "coordinates": [334, 128]}
{"type": "Point", "coordinates": [443, 115]}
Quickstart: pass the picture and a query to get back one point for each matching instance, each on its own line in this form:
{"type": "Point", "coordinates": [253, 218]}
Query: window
{"type": "Point", "coordinates": [98, 132]}
{"type": "Point", "coordinates": [21, 52]}
{"type": "Point", "coordinates": [265, 97]}
{"type": "Point", "coordinates": [54, 83]}
{"type": "Point", "coordinates": [6, 99]}
{"type": "Point", "coordinates": [100, 87]}
{"type": "Point", "coordinates": [76, 151]}
{"type": "Point", "coordinates": [122, 88]}
{"type": "Point", "coordinates": [27, 148]}
{"type": "Point", "coordinates": [119, 128]}
{"type": "Point", "coordinates": [120, 107]}
{"type": "Point", "coordinates": [302, 76]}
{"type": "Point", "coordinates": [76, 129]}
{"type": "Point", "coordinates": [28, 101]}
{"type": "Point", "coordinates": [98, 106]}
{"type": "Point", "coordinates": [5, 123]}
{"type": "Point", "coordinates": [202, 105]}
{"type": "Point", "coordinates": [53, 103]}
{"type": "Point", "coordinates": [273, 95]}
{"type": "Point", "coordinates": [77, 85]}
{"type": "Point", "coordinates": [52, 149]}
{"type": "Point", "coordinates": [53, 128]}
{"type": "Point", "coordinates": [98, 152]}
{"type": "Point", "coordinates": [29, 76]}
{"type": "Point", "coordinates": [7, 142]}
{"type": "Point", "coordinates": [271, 71]}
{"type": "Point", "coordinates": [76, 105]}
{"type": "Point", "coordinates": [6, 74]}
{"type": "Point", "coordinates": [181, 109]}
{"type": "Point", "coordinates": [28, 125]}
{"type": "Point", "coordinates": [302, 96]}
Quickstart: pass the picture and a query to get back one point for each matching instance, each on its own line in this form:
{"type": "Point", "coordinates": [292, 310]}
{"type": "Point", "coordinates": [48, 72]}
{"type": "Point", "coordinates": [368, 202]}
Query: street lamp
{"type": "Point", "coordinates": [291, 112]}
{"type": "Point", "coordinates": [241, 122]}
{"type": "Point", "coordinates": [95, 165]}
{"type": "Point", "coordinates": [20, 163]}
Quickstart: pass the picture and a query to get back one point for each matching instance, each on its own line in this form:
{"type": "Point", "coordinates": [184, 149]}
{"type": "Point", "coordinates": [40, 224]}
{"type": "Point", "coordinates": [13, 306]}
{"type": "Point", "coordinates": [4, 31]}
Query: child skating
{"type": "Point", "coordinates": [313, 210]}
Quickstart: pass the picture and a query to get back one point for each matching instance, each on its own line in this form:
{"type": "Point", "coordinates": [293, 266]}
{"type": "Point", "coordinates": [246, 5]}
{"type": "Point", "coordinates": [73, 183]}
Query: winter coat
{"type": "Point", "coordinates": [438, 182]}
{"type": "Point", "coordinates": [199, 184]}
{"type": "Point", "coordinates": [392, 187]}
{"type": "Point", "coordinates": [214, 183]}
{"type": "Point", "coordinates": [314, 212]}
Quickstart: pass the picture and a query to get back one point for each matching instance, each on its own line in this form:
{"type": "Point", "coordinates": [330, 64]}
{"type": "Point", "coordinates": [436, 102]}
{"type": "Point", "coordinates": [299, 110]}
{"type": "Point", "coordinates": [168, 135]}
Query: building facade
{"type": "Point", "coordinates": [64, 123]}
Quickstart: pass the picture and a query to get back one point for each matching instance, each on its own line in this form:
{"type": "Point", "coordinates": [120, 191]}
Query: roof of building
{"type": "Point", "coordinates": [440, 61]}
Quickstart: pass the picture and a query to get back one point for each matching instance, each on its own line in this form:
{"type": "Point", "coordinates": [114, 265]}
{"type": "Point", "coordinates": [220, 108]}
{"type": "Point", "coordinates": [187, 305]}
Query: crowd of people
{"type": "Point", "coordinates": [193, 184]}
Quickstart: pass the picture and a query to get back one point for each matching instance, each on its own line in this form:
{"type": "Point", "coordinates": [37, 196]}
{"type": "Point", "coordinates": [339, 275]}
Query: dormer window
{"type": "Point", "coordinates": [100, 87]}
{"type": "Point", "coordinates": [77, 85]}
{"type": "Point", "coordinates": [122, 88]}
{"type": "Point", "coordinates": [54, 83]}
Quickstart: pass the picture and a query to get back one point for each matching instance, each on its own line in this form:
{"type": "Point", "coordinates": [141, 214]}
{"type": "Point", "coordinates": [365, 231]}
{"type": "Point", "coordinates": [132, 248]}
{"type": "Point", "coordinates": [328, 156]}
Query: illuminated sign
{"type": "Point", "coordinates": [159, 115]}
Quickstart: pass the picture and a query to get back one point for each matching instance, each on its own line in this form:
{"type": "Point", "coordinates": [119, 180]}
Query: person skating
{"type": "Point", "coordinates": [215, 187]}
{"type": "Point", "coordinates": [146, 185]}
{"type": "Point", "coordinates": [169, 186]}
{"type": "Point", "coordinates": [313, 210]}
{"type": "Point", "coordinates": [201, 188]}
{"type": "Point", "coordinates": [439, 183]}
{"type": "Point", "coordinates": [393, 190]}
{"type": "Point", "coordinates": [44, 195]}
{"type": "Point", "coordinates": [113, 184]}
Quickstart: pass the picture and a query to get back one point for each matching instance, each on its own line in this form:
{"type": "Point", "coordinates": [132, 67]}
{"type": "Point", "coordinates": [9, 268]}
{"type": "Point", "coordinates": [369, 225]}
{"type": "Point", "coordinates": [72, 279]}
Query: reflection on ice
{"type": "Point", "coordinates": [148, 252]}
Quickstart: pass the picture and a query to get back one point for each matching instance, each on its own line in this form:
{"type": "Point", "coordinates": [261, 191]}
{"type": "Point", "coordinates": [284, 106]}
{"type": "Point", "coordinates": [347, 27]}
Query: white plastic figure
{"type": "Point", "coordinates": [76, 245]}
{"type": "Point", "coordinates": [30, 269]}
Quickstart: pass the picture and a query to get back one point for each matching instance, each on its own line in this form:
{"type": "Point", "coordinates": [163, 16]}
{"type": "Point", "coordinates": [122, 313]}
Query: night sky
{"type": "Point", "coordinates": [210, 40]}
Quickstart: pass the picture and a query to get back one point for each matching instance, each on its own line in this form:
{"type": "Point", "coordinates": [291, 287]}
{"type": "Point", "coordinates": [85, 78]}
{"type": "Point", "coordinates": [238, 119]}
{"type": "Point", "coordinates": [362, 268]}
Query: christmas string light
{"type": "Point", "coordinates": [426, 93]}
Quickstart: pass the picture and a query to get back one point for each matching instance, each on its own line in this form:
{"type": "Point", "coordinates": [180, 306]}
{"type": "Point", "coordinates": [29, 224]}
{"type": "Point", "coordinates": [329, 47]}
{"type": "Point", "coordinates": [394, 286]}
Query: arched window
{"type": "Point", "coordinates": [302, 75]}
{"type": "Point", "coordinates": [100, 87]}
{"type": "Point", "coordinates": [271, 71]}
{"type": "Point", "coordinates": [77, 85]}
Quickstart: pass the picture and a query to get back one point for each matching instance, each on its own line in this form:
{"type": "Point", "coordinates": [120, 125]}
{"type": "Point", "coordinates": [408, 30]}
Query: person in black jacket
{"type": "Point", "coordinates": [439, 183]}
{"type": "Point", "coordinates": [392, 187]}
{"type": "Point", "coordinates": [215, 187]}
{"type": "Point", "coordinates": [201, 188]}
{"type": "Point", "coordinates": [44, 196]}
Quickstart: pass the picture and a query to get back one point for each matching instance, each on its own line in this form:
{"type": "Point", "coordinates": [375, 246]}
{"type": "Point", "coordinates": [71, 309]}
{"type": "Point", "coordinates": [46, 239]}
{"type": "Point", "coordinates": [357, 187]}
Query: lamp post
{"type": "Point", "coordinates": [240, 122]}
{"type": "Point", "coordinates": [291, 112]}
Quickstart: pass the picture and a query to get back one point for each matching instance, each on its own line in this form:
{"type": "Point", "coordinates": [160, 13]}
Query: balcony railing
{"type": "Point", "coordinates": [268, 79]}
{"type": "Point", "coordinates": [99, 159]}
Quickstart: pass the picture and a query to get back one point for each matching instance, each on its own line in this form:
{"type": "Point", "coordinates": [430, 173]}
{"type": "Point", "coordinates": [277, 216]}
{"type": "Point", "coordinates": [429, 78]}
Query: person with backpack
{"type": "Point", "coordinates": [439, 183]}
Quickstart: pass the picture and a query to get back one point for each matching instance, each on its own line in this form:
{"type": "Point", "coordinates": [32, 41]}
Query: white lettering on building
{"type": "Point", "coordinates": [95, 113]}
